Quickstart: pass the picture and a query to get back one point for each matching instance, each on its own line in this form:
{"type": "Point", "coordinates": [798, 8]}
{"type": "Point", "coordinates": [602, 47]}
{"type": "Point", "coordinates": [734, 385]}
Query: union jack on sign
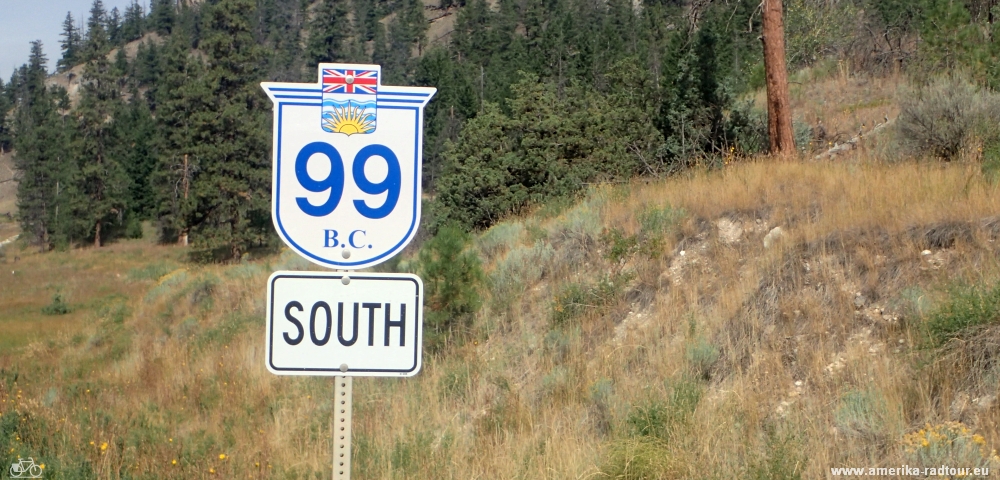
{"type": "Point", "coordinates": [337, 80]}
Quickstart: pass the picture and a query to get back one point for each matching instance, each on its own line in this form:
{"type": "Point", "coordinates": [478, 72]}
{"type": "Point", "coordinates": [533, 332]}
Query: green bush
{"type": "Point", "coordinates": [965, 307]}
{"type": "Point", "coordinates": [57, 307]}
{"type": "Point", "coordinates": [618, 246]}
{"type": "Point", "coordinates": [575, 299]}
{"type": "Point", "coordinates": [659, 220]}
{"type": "Point", "coordinates": [452, 275]}
{"type": "Point", "coordinates": [662, 418]}
{"type": "Point", "coordinates": [782, 460]}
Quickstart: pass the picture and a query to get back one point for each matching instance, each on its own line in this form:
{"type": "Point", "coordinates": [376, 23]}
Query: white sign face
{"type": "Point", "coordinates": [319, 325]}
{"type": "Point", "coordinates": [347, 165]}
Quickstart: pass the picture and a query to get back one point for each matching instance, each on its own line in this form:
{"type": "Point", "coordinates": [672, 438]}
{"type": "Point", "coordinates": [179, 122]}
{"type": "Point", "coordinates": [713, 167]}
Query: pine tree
{"type": "Point", "coordinates": [280, 28]}
{"type": "Point", "coordinates": [103, 179]}
{"type": "Point", "coordinates": [71, 43]}
{"type": "Point", "coordinates": [43, 159]}
{"type": "Point", "coordinates": [133, 25]}
{"type": "Point", "coordinates": [137, 150]}
{"type": "Point", "coordinates": [162, 16]}
{"type": "Point", "coordinates": [97, 35]}
{"type": "Point", "coordinates": [5, 110]}
{"type": "Point", "coordinates": [114, 27]}
{"type": "Point", "coordinates": [329, 33]}
{"type": "Point", "coordinates": [232, 188]}
{"type": "Point", "coordinates": [180, 93]}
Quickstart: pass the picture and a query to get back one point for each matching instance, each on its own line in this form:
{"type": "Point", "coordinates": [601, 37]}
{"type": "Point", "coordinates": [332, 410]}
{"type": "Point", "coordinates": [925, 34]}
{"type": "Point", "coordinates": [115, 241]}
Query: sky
{"type": "Point", "coordinates": [22, 21]}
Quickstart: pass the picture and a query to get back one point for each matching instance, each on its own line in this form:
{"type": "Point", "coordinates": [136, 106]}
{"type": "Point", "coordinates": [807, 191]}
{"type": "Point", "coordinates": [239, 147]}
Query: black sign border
{"type": "Point", "coordinates": [339, 276]}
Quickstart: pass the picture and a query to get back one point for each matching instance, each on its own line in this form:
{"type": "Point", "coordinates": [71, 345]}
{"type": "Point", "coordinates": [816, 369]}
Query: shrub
{"type": "Point", "coordinates": [661, 419]}
{"type": "Point", "coordinates": [576, 235]}
{"type": "Point", "coordinates": [941, 118]}
{"type": "Point", "coordinates": [520, 268]}
{"type": "Point", "coordinates": [781, 459]}
{"type": "Point", "coordinates": [576, 299]}
{"type": "Point", "coordinates": [701, 356]}
{"type": "Point", "coordinates": [964, 308]}
{"type": "Point", "coordinates": [498, 239]}
{"type": "Point", "coordinates": [451, 275]}
{"type": "Point", "coordinates": [862, 413]}
{"type": "Point", "coordinates": [659, 220]}
{"type": "Point", "coordinates": [618, 246]}
{"type": "Point", "coordinates": [600, 405]}
{"type": "Point", "coordinates": [57, 307]}
{"type": "Point", "coordinates": [949, 443]}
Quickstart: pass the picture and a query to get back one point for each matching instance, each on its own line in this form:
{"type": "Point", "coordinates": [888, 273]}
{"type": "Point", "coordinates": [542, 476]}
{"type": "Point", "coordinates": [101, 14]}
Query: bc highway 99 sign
{"type": "Point", "coordinates": [347, 162]}
{"type": "Point", "coordinates": [325, 323]}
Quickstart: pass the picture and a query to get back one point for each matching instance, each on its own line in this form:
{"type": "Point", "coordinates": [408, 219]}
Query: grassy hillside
{"type": "Point", "coordinates": [650, 330]}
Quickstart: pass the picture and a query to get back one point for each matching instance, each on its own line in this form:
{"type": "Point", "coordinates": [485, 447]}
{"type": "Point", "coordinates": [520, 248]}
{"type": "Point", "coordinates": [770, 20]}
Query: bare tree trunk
{"type": "Point", "coordinates": [183, 237]}
{"type": "Point", "coordinates": [97, 234]}
{"type": "Point", "coordinates": [779, 112]}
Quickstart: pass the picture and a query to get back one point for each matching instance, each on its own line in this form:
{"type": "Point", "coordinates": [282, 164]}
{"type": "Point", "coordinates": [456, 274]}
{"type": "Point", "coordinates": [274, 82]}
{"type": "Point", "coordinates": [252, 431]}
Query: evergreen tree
{"type": "Point", "coordinates": [232, 187]}
{"type": "Point", "coordinates": [71, 43]}
{"type": "Point", "coordinates": [329, 33]}
{"type": "Point", "coordinates": [114, 27]}
{"type": "Point", "coordinates": [6, 111]}
{"type": "Point", "coordinates": [280, 30]}
{"type": "Point", "coordinates": [97, 36]}
{"type": "Point", "coordinates": [139, 136]}
{"type": "Point", "coordinates": [103, 179]}
{"type": "Point", "coordinates": [42, 158]}
{"type": "Point", "coordinates": [162, 16]}
{"type": "Point", "coordinates": [133, 24]}
{"type": "Point", "coordinates": [180, 93]}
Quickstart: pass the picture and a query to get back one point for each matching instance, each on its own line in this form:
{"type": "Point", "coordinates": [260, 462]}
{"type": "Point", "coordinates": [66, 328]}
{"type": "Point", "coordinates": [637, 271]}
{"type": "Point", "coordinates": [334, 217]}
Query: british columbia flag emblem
{"type": "Point", "coordinates": [349, 100]}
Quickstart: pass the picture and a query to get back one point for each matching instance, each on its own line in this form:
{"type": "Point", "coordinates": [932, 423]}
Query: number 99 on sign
{"type": "Point", "coordinates": [334, 181]}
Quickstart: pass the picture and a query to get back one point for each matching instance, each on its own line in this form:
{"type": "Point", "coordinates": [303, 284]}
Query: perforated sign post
{"type": "Point", "coordinates": [346, 195]}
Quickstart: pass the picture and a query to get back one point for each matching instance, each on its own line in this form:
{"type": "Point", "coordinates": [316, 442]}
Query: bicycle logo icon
{"type": "Point", "coordinates": [25, 468]}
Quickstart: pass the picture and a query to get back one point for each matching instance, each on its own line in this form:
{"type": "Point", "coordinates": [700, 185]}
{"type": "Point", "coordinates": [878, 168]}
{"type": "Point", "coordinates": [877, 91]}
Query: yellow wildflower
{"type": "Point", "coordinates": [222, 456]}
{"type": "Point", "coordinates": [104, 446]}
{"type": "Point", "coordinates": [173, 462]}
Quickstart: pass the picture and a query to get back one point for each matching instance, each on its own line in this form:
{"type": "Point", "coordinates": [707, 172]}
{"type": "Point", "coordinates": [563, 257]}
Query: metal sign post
{"type": "Point", "coordinates": [342, 392]}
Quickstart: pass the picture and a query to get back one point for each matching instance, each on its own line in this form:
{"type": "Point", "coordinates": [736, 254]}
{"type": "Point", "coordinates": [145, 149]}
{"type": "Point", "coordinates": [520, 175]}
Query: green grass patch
{"type": "Point", "coordinates": [153, 271]}
{"type": "Point", "coordinates": [965, 307]}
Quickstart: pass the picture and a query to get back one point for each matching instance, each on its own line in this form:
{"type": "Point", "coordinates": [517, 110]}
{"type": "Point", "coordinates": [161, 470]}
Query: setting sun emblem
{"type": "Point", "coordinates": [349, 100]}
{"type": "Point", "coordinates": [348, 119]}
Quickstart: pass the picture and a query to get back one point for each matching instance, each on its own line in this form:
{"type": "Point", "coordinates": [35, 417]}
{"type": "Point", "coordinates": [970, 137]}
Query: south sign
{"type": "Point", "coordinates": [347, 157]}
